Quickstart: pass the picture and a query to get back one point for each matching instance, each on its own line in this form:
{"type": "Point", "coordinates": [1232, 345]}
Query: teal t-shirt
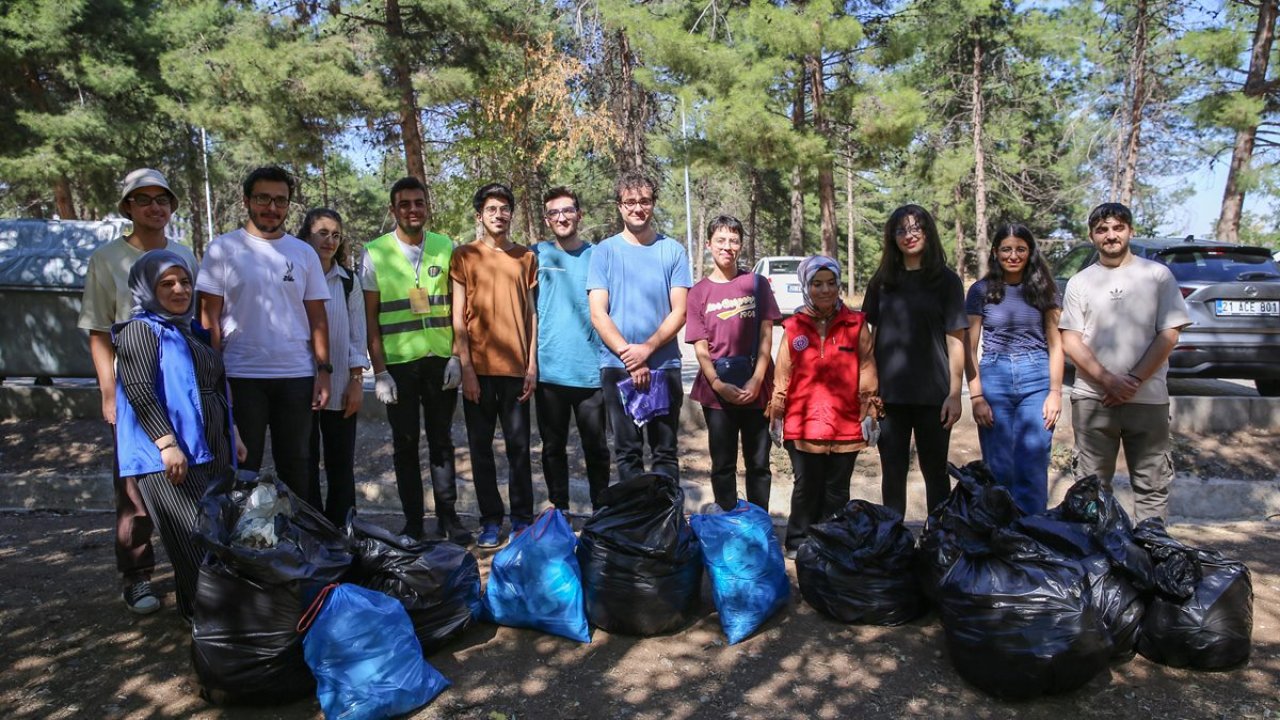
{"type": "Point", "coordinates": [568, 347]}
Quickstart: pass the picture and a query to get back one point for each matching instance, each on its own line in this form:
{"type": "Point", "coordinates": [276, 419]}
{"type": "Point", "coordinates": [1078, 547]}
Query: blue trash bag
{"type": "Point", "coordinates": [366, 659]}
{"type": "Point", "coordinates": [535, 582]}
{"type": "Point", "coordinates": [748, 578]}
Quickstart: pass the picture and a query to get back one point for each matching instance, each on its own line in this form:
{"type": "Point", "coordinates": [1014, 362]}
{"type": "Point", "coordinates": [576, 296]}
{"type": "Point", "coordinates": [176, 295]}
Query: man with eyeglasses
{"type": "Point", "coordinates": [496, 337]}
{"type": "Point", "coordinates": [409, 311]}
{"type": "Point", "coordinates": [147, 201]}
{"type": "Point", "coordinates": [262, 298]}
{"type": "Point", "coordinates": [638, 282]}
{"type": "Point", "coordinates": [568, 373]}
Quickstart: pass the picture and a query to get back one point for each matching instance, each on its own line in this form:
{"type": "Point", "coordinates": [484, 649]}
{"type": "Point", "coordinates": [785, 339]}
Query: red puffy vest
{"type": "Point", "coordinates": [822, 398]}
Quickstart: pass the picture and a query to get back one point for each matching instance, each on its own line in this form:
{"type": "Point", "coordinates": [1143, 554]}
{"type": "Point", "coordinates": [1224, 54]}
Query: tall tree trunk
{"type": "Point", "coordinates": [796, 238]}
{"type": "Point", "coordinates": [981, 241]}
{"type": "Point", "coordinates": [1138, 71]}
{"type": "Point", "coordinates": [631, 107]}
{"type": "Point", "coordinates": [1254, 86]}
{"type": "Point", "coordinates": [62, 199]}
{"type": "Point", "coordinates": [753, 211]}
{"type": "Point", "coordinates": [402, 76]}
{"type": "Point", "coordinates": [852, 237]}
{"type": "Point", "coordinates": [826, 171]}
{"type": "Point", "coordinates": [958, 194]}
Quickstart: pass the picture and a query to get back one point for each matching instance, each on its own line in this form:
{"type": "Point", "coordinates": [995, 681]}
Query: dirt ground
{"type": "Point", "coordinates": [71, 650]}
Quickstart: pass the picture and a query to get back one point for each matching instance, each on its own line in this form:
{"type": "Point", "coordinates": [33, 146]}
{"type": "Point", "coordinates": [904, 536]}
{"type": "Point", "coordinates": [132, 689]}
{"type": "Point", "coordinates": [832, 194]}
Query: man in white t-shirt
{"type": "Point", "coordinates": [262, 297]}
{"type": "Point", "coordinates": [147, 201]}
{"type": "Point", "coordinates": [1120, 320]}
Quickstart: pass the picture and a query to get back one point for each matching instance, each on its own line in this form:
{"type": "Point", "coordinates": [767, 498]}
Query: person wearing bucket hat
{"type": "Point", "coordinates": [147, 200]}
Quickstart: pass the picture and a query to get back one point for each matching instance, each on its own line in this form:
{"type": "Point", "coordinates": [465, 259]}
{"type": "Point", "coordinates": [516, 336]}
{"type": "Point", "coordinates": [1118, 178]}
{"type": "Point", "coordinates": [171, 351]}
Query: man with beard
{"type": "Point", "coordinates": [568, 348]}
{"type": "Point", "coordinates": [147, 201]}
{"type": "Point", "coordinates": [1120, 320]}
{"type": "Point", "coordinates": [408, 306]}
{"type": "Point", "coordinates": [638, 283]}
{"type": "Point", "coordinates": [262, 298]}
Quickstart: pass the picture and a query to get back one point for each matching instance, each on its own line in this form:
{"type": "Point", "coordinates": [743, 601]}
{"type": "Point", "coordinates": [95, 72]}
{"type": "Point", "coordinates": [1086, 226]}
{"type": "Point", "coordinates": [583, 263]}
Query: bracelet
{"type": "Point", "coordinates": [172, 444]}
{"type": "Point", "coordinates": [1135, 377]}
{"type": "Point", "coordinates": [974, 397]}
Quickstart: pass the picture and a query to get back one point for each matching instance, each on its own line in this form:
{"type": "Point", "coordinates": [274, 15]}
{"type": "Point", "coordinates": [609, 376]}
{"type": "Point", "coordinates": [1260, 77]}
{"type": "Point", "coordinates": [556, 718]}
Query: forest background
{"type": "Point", "coordinates": [809, 120]}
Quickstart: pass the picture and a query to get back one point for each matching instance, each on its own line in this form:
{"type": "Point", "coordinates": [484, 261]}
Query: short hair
{"type": "Point", "coordinates": [561, 191]}
{"type": "Point", "coordinates": [1110, 211]}
{"type": "Point", "coordinates": [497, 190]}
{"type": "Point", "coordinates": [269, 173]}
{"type": "Point", "coordinates": [726, 222]}
{"type": "Point", "coordinates": [407, 183]}
{"type": "Point", "coordinates": [633, 180]}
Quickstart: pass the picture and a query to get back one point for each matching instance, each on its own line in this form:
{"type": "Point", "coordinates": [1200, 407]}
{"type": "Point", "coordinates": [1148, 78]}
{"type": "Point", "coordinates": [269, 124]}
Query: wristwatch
{"type": "Point", "coordinates": [325, 367]}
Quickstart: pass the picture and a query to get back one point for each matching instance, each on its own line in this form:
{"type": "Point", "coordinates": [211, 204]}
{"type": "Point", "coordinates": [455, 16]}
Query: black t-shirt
{"type": "Point", "coordinates": [911, 322]}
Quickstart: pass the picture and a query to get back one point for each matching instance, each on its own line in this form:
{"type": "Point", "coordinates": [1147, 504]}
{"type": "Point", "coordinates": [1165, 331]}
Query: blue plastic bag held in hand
{"type": "Point", "coordinates": [367, 661]}
{"type": "Point", "coordinates": [748, 578]}
{"type": "Point", "coordinates": [645, 405]}
{"type": "Point", "coordinates": [535, 582]}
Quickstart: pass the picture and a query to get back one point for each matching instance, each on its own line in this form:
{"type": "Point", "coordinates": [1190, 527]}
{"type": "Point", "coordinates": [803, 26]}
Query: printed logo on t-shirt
{"type": "Point", "coordinates": [744, 306]}
{"type": "Point", "coordinates": [800, 343]}
{"type": "Point", "coordinates": [1117, 294]}
{"type": "Point", "coordinates": [288, 272]}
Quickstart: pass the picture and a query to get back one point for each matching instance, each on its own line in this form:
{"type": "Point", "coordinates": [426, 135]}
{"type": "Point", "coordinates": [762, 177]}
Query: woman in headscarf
{"type": "Point", "coordinates": [824, 384]}
{"type": "Point", "coordinates": [172, 419]}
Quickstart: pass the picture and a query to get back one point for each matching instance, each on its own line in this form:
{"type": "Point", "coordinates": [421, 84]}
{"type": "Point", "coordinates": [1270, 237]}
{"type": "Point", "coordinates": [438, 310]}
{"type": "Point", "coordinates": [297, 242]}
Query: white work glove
{"type": "Point", "coordinates": [384, 388]}
{"type": "Point", "coordinates": [452, 373]}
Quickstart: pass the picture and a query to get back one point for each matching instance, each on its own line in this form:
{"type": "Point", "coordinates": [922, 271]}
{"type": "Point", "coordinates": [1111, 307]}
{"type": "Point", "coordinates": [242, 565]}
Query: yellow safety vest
{"type": "Point", "coordinates": [406, 335]}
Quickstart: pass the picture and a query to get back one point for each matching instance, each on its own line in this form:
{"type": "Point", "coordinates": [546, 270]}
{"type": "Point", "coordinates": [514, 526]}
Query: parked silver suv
{"type": "Point", "coordinates": [1233, 296]}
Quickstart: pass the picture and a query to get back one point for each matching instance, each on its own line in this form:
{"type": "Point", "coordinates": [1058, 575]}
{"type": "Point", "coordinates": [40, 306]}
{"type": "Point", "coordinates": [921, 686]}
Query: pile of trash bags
{"type": "Point", "coordinates": [1037, 605]}
{"type": "Point", "coordinates": [641, 564]}
{"type": "Point", "coordinates": [857, 567]}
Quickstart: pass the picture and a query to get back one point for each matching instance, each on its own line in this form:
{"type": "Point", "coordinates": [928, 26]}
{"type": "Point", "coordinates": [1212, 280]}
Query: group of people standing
{"type": "Point", "coordinates": [283, 331]}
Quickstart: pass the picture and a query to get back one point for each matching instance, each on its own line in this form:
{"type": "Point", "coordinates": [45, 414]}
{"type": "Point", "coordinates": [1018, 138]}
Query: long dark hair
{"type": "Point", "coordinates": [1038, 287]}
{"type": "Point", "coordinates": [892, 264]}
{"type": "Point", "coordinates": [314, 214]}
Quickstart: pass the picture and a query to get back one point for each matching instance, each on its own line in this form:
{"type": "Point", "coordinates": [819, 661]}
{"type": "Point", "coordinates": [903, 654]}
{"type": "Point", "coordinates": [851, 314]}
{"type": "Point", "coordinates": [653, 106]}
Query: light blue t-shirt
{"type": "Point", "coordinates": [639, 279]}
{"type": "Point", "coordinates": [567, 344]}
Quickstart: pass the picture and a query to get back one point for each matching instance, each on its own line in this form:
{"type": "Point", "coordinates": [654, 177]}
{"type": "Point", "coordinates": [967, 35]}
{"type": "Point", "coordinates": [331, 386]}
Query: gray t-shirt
{"type": "Point", "coordinates": [1119, 311]}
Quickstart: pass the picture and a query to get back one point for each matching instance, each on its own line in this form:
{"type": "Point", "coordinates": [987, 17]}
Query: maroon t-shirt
{"type": "Point", "coordinates": [724, 314]}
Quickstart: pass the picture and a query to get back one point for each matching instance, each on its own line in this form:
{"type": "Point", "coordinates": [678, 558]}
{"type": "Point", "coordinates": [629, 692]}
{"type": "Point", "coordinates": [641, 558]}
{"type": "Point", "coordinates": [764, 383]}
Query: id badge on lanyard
{"type": "Point", "coordinates": [419, 301]}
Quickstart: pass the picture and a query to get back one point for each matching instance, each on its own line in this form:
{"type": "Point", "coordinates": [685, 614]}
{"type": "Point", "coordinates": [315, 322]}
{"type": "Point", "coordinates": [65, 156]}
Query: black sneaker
{"type": "Point", "coordinates": [454, 532]}
{"type": "Point", "coordinates": [140, 598]}
{"type": "Point", "coordinates": [412, 531]}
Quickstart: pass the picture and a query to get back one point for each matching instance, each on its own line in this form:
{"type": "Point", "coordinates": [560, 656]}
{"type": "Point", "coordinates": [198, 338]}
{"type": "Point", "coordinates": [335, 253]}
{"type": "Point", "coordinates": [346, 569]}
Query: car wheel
{"type": "Point", "coordinates": [1268, 388]}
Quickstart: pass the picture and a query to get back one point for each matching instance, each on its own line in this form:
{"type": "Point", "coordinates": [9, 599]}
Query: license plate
{"type": "Point", "coordinates": [1247, 307]}
{"type": "Point", "coordinates": [793, 287]}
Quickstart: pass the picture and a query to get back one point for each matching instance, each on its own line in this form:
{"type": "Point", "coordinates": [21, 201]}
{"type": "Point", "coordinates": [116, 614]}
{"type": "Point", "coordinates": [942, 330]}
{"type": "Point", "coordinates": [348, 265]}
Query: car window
{"type": "Point", "coordinates": [1219, 265]}
{"type": "Point", "coordinates": [1073, 262]}
{"type": "Point", "coordinates": [783, 267]}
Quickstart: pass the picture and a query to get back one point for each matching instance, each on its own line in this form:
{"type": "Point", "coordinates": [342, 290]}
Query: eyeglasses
{"type": "Point", "coordinates": [1015, 250]}
{"type": "Point", "coordinates": [568, 213]}
{"type": "Point", "coordinates": [263, 200]}
{"type": "Point", "coordinates": [906, 230]}
{"type": "Point", "coordinates": [633, 204]}
{"type": "Point", "coordinates": [730, 242]}
{"type": "Point", "coordinates": [163, 201]}
{"type": "Point", "coordinates": [326, 235]}
{"type": "Point", "coordinates": [498, 210]}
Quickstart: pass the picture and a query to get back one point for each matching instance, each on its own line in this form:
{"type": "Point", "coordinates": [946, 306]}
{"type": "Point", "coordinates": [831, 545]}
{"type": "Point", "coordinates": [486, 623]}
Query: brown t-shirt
{"type": "Point", "coordinates": [499, 315]}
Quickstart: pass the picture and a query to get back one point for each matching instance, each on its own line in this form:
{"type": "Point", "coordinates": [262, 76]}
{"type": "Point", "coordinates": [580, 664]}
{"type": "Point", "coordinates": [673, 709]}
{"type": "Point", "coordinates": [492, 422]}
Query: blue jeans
{"type": "Point", "coordinates": [1016, 447]}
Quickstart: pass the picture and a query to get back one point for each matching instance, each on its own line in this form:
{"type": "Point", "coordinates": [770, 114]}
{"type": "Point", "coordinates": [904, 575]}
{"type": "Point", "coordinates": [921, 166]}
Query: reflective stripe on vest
{"type": "Point", "coordinates": [406, 335]}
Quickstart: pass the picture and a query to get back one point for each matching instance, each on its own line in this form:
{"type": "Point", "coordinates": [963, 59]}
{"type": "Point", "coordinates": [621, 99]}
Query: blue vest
{"type": "Point", "coordinates": [179, 395]}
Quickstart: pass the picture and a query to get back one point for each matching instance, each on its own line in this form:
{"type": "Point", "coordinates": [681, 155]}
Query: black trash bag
{"type": "Point", "coordinates": [437, 581]}
{"type": "Point", "coordinates": [1118, 602]}
{"type": "Point", "coordinates": [245, 644]}
{"type": "Point", "coordinates": [1207, 622]}
{"type": "Point", "coordinates": [1086, 502]}
{"type": "Point", "coordinates": [641, 564]}
{"type": "Point", "coordinates": [857, 567]}
{"type": "Point", "coordinates": [964, 522]}
{"type": "Point", "coordinates": [1018, 620]}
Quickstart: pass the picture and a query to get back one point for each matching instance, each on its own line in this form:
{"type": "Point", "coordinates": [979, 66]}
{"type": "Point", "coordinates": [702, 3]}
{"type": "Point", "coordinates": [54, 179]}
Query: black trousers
{"type": "Point", "coordinates": [284, 406]}
{"type": "Point", "coordinates": [499, 404]}
{"type": "Point", "coordinates": [555, 405]}
{"type": "Point", "coordinates": [932, 442]}
{"type": "Point", "coordinates": [661, 433]}
{"type": "Point", "coordinates": [337, 435]}
{"type": "Point", "coordinates": [419, 398]}
{"type": "Point", "coordinates": [821, 489]}
{"type": "Point", "coordinates": [724, 428]}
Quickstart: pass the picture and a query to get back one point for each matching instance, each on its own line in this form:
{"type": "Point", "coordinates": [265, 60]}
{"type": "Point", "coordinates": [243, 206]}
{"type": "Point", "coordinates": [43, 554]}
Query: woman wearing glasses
{"type": "Point", "coordinates": [1016, 390]}
{"type": "Point", "coordinates": [334, 426]}
{"type": "Point", "coordinates": [915, 305]}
